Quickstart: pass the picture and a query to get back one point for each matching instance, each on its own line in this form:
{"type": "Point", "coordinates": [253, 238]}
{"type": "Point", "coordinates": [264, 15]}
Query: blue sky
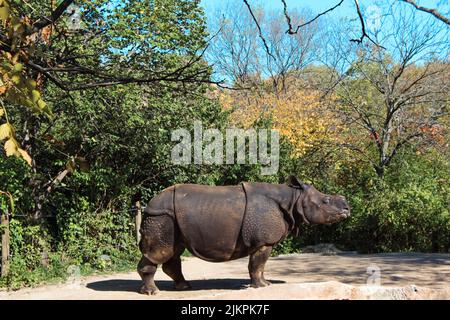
{"type": "Point", "coordinates": [346, 9]}
{"type": "Point", "coordinates": [316, 6]}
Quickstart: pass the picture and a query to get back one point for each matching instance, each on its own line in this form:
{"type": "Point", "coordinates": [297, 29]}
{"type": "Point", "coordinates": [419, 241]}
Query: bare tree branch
{"type": "Point", "coordinates": [45, 21]}
{"type": "Point", "coordinates": [177, 76]}
{"type": "Point", "coordinates": [399, 145]}
{"type": "Point", "coordinates": [363, 28]}
{"type": "Point", "coordinates": [259, 30]}
{"type": "Point", "coordinates": [288, 18]}
{"type": "Point", "coordinates": [434, 12]}
{"type": "Point", "coordinates": [47, 74]}
{"type": "Point", "coordinates": [100, 78]}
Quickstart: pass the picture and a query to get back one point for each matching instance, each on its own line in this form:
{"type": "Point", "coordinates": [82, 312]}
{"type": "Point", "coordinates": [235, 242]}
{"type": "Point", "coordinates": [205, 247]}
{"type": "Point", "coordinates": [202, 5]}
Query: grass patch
{"type": "Point", "coordinates": [59, 271]}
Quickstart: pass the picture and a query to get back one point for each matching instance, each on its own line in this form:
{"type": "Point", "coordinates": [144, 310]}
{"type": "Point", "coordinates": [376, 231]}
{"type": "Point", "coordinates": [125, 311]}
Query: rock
{"type": "Point", "coordinates": [333, 290]}
{"type": "Point", "coordinates": [104, 261]}
{"type": "Point", "coordinates": [105, 257]}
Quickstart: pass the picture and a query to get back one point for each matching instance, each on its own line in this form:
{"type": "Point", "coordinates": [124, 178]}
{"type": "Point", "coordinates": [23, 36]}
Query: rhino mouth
{"type": "Point", "coordinates": [344, 214]}
{"type": "Point", "coordinates": [341, 215]}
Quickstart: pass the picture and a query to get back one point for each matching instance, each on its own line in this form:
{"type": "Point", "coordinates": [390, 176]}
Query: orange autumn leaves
{"type": "Point", "coordinates": [299, 115]}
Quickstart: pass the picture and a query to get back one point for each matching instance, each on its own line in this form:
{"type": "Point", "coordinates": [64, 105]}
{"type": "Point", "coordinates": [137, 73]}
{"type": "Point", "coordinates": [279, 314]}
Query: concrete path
{"type": "Point", "coordinates": [295, 276]}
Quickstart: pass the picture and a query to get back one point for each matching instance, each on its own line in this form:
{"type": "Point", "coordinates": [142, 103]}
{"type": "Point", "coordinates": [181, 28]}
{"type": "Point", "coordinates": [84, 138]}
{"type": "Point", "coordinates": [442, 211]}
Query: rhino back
{"type": "Point", "coordinates": [210, 219]}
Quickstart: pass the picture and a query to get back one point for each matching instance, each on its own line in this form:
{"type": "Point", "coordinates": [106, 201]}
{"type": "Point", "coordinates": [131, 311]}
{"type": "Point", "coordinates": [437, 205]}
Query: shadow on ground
{"type": "Point", "coordinates": [134, 285]}
{"type": "Point", "coordinates": [395, 269]}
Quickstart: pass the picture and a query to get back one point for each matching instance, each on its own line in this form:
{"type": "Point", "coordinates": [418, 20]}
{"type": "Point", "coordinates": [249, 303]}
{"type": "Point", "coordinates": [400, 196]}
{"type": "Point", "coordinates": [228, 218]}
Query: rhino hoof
{"type": "Point", "coordinates": [149, 291]}
{"type": "Point", "coordinates": [182, 286]}
{"type": "Point", "coordinates": [267, 283]}
{"type": "Point", "coordinates": [260, 284]}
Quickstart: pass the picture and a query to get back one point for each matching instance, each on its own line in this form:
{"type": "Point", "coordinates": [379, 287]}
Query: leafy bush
{"type": "Point", "coordinates": [289, 245]}
{"type": "Point", "coordinates": [407, 211]}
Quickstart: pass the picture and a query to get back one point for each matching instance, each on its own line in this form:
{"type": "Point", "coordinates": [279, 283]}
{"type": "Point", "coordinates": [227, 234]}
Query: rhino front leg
{"type": "Point", "coordinates": [146, 270]}
{"type": "Point", "coordinates": [256, 266]}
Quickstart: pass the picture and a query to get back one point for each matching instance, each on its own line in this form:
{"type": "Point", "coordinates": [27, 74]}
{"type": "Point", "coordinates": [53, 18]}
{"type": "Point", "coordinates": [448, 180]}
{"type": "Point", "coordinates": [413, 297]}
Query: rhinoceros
{"type": "Point", "coordinates": [222, 223]}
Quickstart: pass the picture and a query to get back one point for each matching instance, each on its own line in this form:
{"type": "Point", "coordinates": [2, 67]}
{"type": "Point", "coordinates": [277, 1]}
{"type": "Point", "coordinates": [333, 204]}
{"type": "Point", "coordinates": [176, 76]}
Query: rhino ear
{"type": "Point", "coordinates": [292, 181]}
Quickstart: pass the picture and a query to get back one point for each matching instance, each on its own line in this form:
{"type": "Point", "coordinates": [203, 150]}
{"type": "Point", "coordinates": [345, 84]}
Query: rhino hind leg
{"type": "Point", "coordinates": [146, 270]}
{"type": "Point", "coordinates": [256, 266]}
{"type": "Point", "coordinates": [173, 269]}
{"type": "Point", "coordinates": [158, 245]}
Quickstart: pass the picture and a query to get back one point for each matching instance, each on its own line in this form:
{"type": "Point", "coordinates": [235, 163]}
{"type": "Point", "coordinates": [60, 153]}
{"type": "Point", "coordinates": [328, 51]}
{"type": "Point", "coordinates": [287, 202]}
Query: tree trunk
{"type": "Point", "coordinates": [5, 244]}
{"type": "Point", "coordinates": [138, 220]}
{"type": "Point", "coordinates": [385, 143]}
{"type": "Point", "coordinates": [380, 171]}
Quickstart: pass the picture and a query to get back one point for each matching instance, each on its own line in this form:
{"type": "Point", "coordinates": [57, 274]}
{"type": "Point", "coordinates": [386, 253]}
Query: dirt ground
{"type": "Point", "coordinates": [295, 276]}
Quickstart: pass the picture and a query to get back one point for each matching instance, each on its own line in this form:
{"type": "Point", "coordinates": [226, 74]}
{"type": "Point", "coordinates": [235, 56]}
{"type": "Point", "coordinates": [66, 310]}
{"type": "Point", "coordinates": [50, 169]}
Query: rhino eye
{"type": "Point", "coordinates": [326, 200]}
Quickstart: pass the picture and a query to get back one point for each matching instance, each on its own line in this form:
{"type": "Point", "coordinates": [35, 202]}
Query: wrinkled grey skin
{"type": "Point", "coordinates": [222, 223]}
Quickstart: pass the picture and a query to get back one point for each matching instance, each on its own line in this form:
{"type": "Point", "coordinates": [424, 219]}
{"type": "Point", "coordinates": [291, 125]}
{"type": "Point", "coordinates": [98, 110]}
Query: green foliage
{"type": "Point", "coordinates": [105, 148]}
{"type": "Point", "coordinates": [289, 245]}
{"type": "Point", "coordinates": [407, 211]}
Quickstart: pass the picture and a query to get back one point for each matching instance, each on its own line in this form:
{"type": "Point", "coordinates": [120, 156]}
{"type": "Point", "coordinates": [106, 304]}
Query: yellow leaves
{"type": "Point", "coordinates": [35, 95]}
{"type": "Point", "coordinates": [299, 115]}
{"type": "Point", "coordinates": [25, 156]}
{"type": "Point", "coordinates": [5, 11]}
{"type": "Point", "coordinates": [41, 104]}
{"type": "Point", "coordinates": [18, 67]}
{"type": "Point", "coordinates": [5, 77]}
{"type": "Point", "coordinates": [6, 131]}
{"type": "Point", "coordinates": [15, 78]}
{"type": "Point", "coordinates": [31, 84]}
{"type": "Point", "coordinates": [12, 148]}
{"type": "Point", "coordinates": [15, 84]}
{"type": "Point", "coordinates": [16, 87]}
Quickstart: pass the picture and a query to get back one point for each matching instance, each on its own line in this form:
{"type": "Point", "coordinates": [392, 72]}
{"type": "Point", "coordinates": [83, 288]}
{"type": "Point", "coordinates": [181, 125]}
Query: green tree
{"type": "Point", "coordinates": [78, 45]}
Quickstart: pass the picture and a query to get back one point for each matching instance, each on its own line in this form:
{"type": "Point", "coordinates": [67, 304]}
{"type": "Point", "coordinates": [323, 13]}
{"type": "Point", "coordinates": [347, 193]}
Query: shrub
{"type": "Point", "coordinates": [407, 211]}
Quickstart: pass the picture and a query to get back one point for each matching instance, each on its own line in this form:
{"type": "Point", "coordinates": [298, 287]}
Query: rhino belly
{"type": "Point", "coordinates": [210, 219]}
